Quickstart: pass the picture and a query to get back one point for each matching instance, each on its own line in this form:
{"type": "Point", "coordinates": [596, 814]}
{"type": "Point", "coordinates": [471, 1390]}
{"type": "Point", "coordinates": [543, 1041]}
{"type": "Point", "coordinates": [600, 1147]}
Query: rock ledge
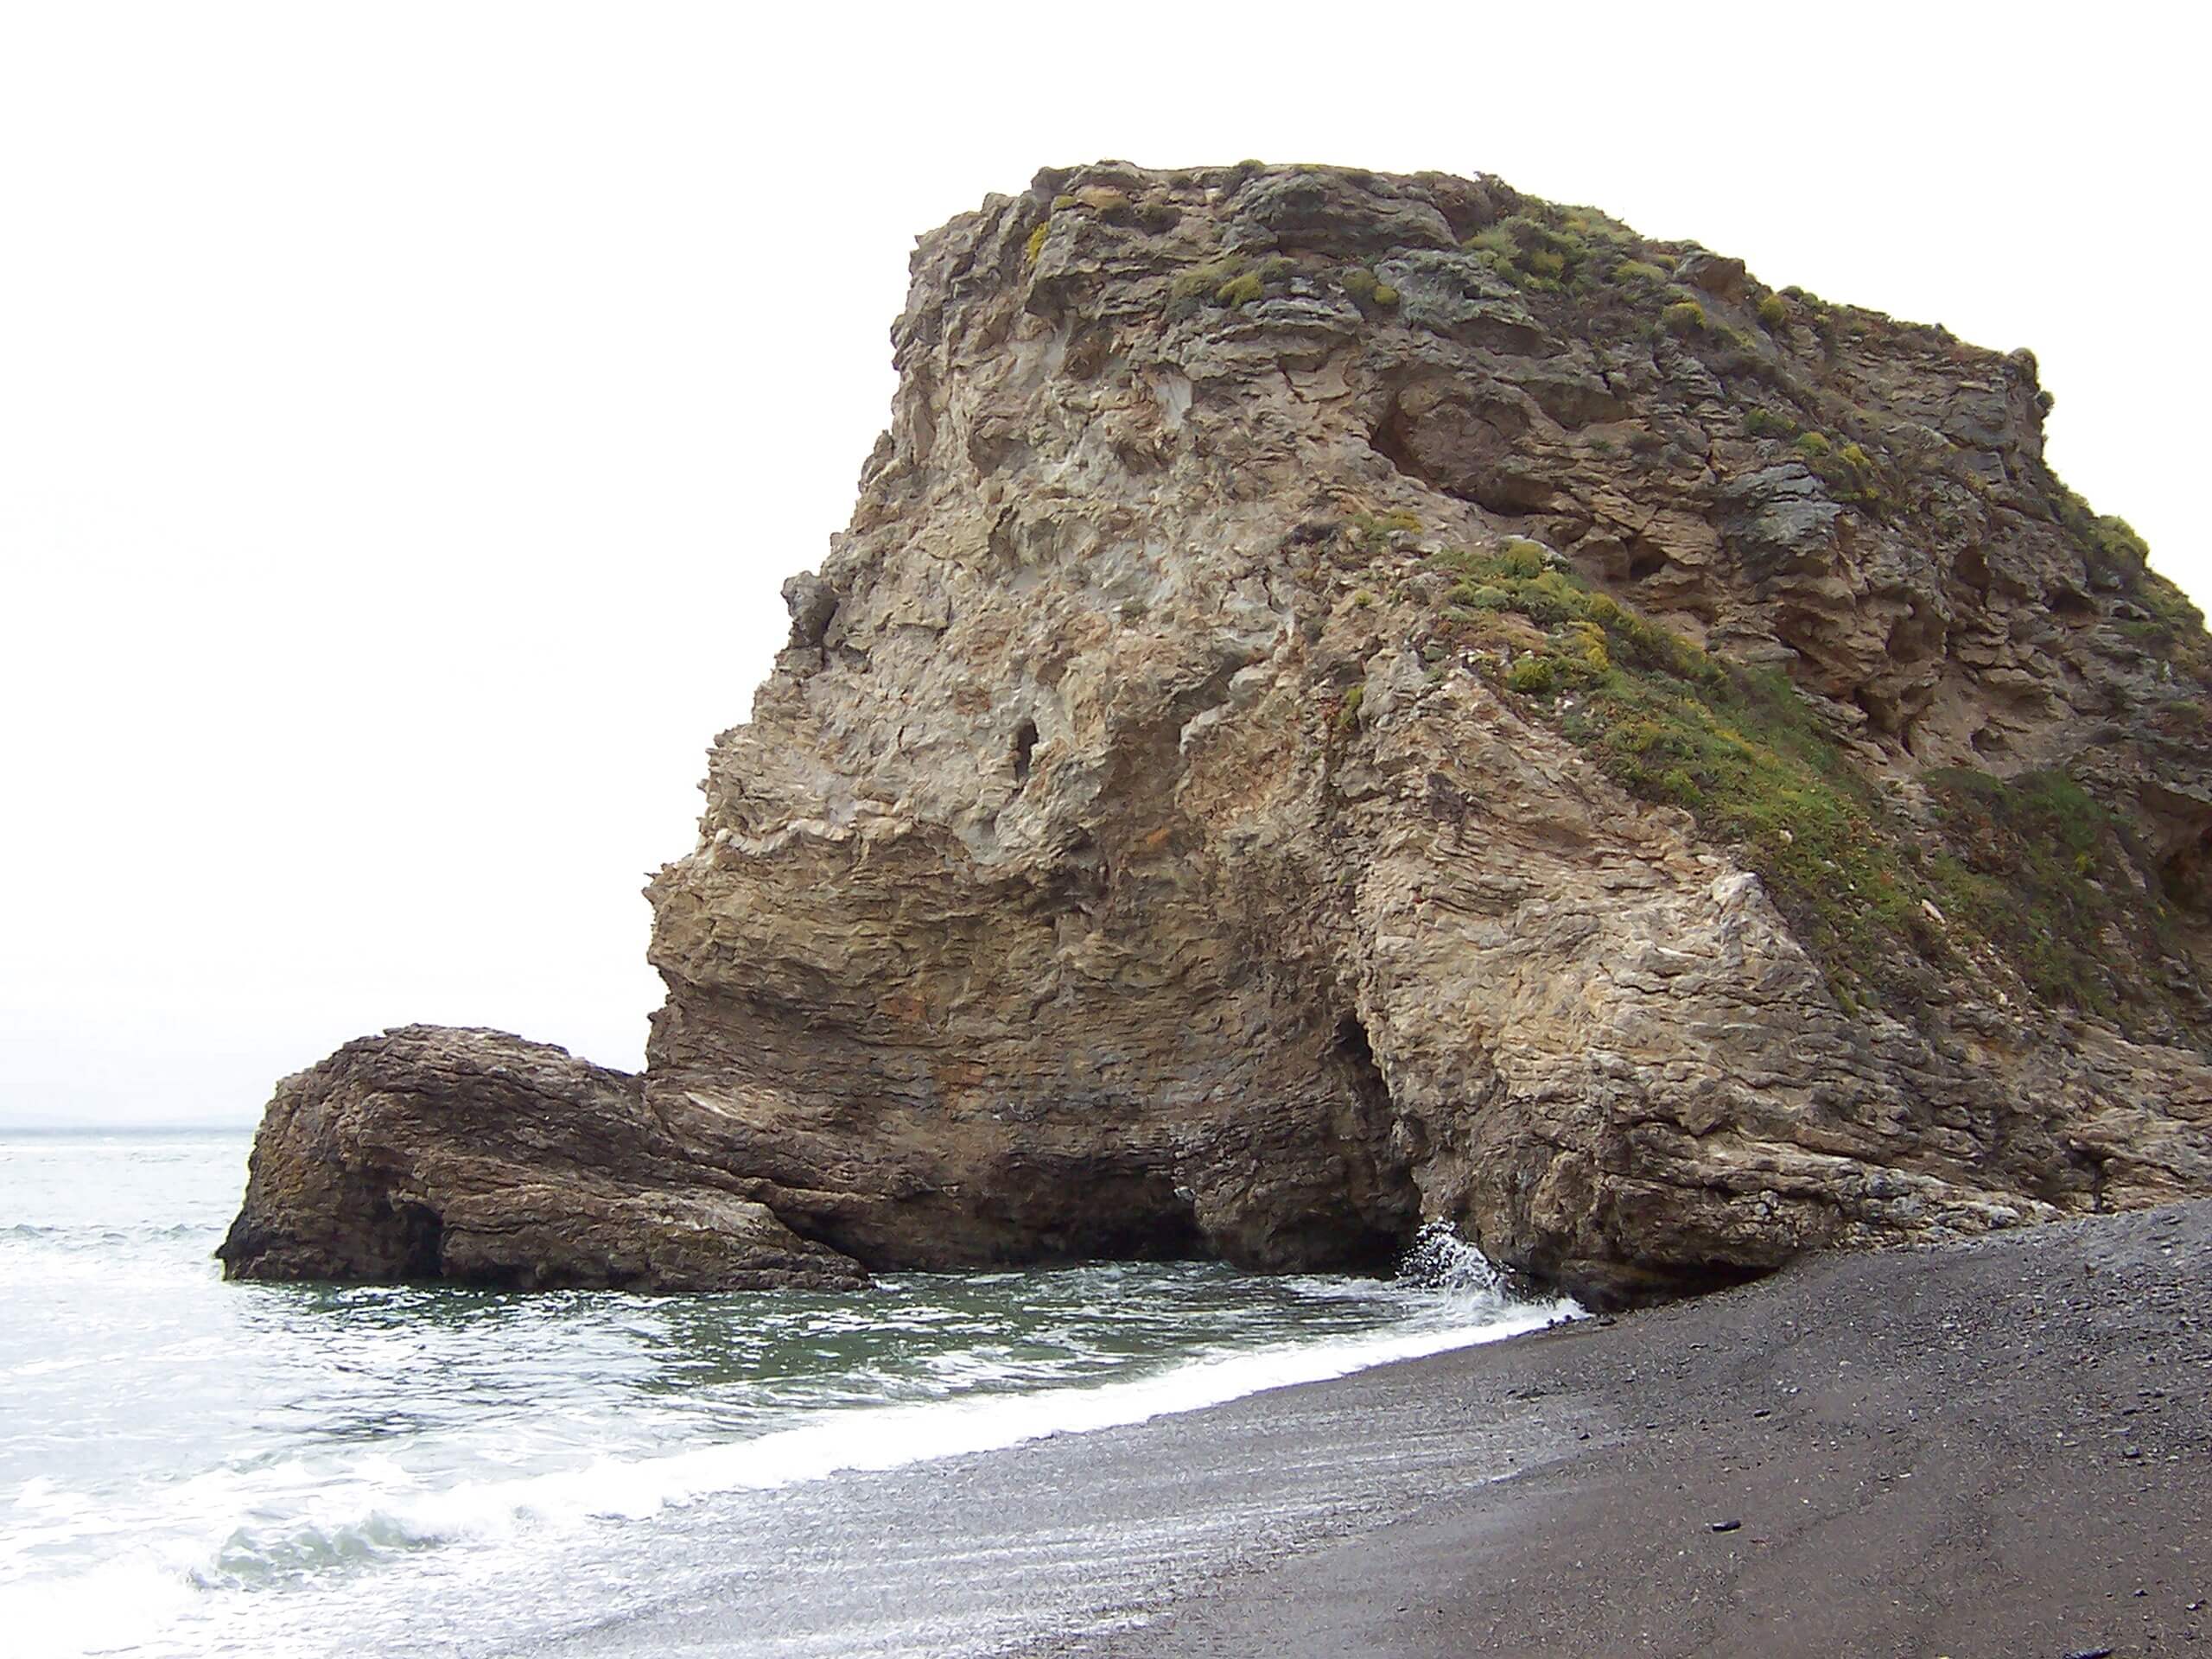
{"type": "Point", "coordinates": [428, 1152]}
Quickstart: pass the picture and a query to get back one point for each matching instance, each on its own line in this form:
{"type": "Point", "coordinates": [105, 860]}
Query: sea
{"type": "Point", "coordinates": [189, 1467]}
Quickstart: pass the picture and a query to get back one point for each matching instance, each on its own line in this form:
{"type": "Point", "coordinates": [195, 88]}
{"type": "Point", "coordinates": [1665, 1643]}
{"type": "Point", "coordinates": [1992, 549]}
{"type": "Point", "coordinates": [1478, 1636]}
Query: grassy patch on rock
{"type": "Point", "coordinates": [2039, 868]}
{"type": "Point", "coordinates": [2114, 557]}
{"type": "Point", "coordinates": [2032, 870]}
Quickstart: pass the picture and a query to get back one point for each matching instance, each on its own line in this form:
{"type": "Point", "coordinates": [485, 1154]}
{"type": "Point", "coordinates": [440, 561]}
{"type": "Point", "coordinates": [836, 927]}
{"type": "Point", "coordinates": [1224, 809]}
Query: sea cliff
{"type": "Point", "coordinates": [1348, 701]}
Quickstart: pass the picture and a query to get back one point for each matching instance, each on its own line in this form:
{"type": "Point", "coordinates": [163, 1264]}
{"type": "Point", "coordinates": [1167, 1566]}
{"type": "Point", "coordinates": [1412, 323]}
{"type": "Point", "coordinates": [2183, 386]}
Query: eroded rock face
{"type": "Point", "coordinates": [1255, 774]}
{"type": "Point", "coordinates": [1055, 903]}
{"type": "Point", "coordinates": [428, 1152]}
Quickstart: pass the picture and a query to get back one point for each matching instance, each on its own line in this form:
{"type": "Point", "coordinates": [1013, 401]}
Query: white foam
{"type": "Point", "coordinates": [115, 1608]}
{"type": "Point", "coordinates": [888, 1437]}
{"type": "Point", "coordinates": [274, 1521]}
{"type": "Point", "coordinates": [1439, 1259]}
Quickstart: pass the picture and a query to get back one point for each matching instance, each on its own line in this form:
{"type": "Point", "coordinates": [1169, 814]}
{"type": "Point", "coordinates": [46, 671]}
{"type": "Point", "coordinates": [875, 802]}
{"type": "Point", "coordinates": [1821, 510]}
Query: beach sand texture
{"type": "Point", "coordinates": [1994, 1448]}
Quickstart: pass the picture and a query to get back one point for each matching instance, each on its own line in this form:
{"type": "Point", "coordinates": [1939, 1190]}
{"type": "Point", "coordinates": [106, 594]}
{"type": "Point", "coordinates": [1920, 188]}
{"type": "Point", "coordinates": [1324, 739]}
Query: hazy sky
{"type": "Point", "coordinates": [408, 412]}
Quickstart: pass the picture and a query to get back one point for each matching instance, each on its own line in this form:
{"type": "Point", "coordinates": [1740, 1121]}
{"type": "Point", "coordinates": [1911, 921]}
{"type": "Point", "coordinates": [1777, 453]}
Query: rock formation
{"type": "Point", "coordinates": [433, 1153]}
{"type": "Point", "coordinates": [1350, 699]}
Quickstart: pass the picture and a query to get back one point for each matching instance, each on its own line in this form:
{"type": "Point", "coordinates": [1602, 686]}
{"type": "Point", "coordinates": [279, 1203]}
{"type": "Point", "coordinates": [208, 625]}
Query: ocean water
{"type": "Point", "coordinates": [189, 1467]}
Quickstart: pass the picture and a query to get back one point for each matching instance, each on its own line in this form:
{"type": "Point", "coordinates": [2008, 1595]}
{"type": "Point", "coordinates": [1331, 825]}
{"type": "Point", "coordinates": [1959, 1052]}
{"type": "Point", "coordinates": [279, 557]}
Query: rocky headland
{"type": "Point", "coordinates": [1348, 701]}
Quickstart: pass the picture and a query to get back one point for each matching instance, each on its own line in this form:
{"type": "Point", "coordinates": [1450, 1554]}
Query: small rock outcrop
{"type": "Point", "coordinates": [1349, 701]}
{"type": "Point", "coordinates": [473, 1156]}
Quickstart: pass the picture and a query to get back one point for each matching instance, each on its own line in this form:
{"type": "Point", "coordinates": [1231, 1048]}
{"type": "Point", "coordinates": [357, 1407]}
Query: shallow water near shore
{"type": "Point", "coordinates": [188, 1467]}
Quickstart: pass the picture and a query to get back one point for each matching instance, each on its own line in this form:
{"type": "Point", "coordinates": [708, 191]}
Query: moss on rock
{"type": "Point", "coordinates": [2020, 870]}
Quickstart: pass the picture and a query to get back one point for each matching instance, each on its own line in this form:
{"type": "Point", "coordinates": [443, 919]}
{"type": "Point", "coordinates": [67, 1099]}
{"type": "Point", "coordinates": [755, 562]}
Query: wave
{"type": "Point", "coordinates": [98, 1237]}
{"type": "Point", "coordinates": [855, 1439]}
{"type": "Point", "coordinates": [283, 1526]}
{"type": "Point", "coordinates": [1439, 1259]}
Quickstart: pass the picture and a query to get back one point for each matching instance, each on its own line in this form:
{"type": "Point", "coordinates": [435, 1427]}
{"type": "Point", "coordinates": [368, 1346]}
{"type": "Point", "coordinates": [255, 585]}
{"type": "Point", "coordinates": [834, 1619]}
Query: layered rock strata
{"type": "Point", "coordinates": [1349, 700]}
{"type": "Point", "coordinates": [428, 1152]}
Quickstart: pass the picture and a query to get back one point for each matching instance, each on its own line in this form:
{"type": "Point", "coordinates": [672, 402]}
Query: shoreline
{"type": "Point", "coordinates": [1994, 1447]}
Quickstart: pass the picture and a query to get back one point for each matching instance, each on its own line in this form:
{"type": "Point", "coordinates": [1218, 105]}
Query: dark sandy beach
{"type": "Point", "coordinates": [1996, 1448]}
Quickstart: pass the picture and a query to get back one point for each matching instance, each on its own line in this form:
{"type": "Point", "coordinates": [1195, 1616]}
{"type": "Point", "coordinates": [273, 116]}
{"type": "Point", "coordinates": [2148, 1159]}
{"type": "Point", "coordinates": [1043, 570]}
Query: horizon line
{"type": "Point", "coordinates": [135, 1127]}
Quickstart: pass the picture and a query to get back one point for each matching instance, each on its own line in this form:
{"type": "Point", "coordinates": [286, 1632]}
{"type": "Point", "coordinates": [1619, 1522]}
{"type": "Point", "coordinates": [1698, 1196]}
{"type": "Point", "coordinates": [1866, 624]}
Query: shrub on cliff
{"type": "Point", "coordinates": [1368, 289]}
{"type": "Point", "coordinates": [2021, 868]}
{"type": "Point", "coordinates": [1531, 253]}
{"type": "Point", "coordinates": [1198, 282]}
{"type": "Point", "coordinates": [2035, 866]}
{"type": "Point", "coordinates": [1240, 290]}
{"type": "Point", "coordinates": [1531, 674]}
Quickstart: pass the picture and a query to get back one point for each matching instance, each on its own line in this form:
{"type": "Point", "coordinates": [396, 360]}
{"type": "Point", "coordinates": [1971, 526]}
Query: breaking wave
{"type": "Point", "coordinates": [234, 1469]}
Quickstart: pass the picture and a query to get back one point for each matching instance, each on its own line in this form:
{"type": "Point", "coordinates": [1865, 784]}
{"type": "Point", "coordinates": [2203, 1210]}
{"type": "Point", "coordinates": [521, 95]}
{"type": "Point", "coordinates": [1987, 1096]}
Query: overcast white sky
{"type": "Point", "coordinates": [408, 412]}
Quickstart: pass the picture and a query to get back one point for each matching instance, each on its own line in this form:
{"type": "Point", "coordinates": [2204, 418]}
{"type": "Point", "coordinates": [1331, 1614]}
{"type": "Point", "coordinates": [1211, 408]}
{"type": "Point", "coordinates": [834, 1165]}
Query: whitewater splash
{"type": "Point", "coordinates": [1439, 1259]}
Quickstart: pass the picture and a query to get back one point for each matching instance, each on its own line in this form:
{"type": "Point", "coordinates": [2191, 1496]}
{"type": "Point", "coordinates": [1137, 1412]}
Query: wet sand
{"type": "Point", "coordinates": [1997, 1448]}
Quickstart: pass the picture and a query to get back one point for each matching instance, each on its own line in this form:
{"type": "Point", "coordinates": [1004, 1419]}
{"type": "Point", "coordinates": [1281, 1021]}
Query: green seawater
{"type": "Point", "coordinates": [191, 1467]}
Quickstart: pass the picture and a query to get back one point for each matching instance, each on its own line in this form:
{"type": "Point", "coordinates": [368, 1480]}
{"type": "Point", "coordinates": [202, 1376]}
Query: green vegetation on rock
{"type": "Point", "coordinates": [2039, 868]}
{"type": "Point", "coordinates": [2025, 869]}
{"type": "Point", "coordinates": [1198, 282]}
{"type": "Point", "coordinates": [1240, 290]}
{"type": "Point", "coordinates": [1230, 280]}
{"type": "Point", "coordinates": [2115, 557]}
{"type": "Point", "coordinates": [1548, 249]}
{"type": "Point", "coordinates": [1531, 674]}
{"type": "Point", "coordinates": [1370, 532]}
{"type": "Point", "coordinates": [1369, 290]}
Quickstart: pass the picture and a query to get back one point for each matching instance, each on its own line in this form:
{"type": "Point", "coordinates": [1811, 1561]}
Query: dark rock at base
{"type": "Point", "coordinates": [473, 1156]}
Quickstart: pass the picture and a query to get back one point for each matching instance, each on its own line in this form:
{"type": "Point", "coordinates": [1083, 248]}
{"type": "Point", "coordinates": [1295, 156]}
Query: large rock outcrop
{"type": "Point", "coordinates": [1350, 699]}
{"type": "Point", "coordinates": [428, 1152]}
